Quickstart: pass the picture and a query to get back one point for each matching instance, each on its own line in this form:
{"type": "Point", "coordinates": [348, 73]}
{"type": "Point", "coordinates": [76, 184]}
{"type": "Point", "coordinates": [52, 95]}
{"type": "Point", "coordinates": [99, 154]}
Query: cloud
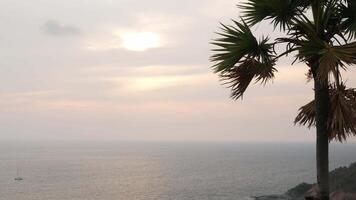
{"type": "Point", "coordinates": [55, 28]}
{"type": "Point", "coordinates": [65, 89]}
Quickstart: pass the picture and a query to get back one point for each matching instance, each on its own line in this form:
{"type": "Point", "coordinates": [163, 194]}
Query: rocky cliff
{"type": "Point", "coordinates": [342, 187]}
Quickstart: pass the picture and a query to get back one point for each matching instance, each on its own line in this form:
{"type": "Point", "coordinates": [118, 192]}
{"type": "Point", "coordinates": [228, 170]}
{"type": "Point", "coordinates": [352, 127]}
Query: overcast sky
{"type": "Point", "coordinates": [133, 70]}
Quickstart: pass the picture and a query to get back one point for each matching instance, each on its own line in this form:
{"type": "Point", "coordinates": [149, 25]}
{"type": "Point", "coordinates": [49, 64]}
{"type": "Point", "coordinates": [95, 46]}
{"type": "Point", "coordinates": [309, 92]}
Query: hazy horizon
{"type": "Point", "coordinates": [134, 70]}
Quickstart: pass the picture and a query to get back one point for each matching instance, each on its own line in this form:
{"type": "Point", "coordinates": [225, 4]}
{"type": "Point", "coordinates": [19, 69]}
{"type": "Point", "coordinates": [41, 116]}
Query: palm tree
{"type": "Point", "coordinates": [319, 33]}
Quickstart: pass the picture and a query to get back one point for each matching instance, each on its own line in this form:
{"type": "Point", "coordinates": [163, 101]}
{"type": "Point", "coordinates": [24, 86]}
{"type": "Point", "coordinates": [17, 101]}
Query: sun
{"type": "Point", "coordinates": [140, 41]}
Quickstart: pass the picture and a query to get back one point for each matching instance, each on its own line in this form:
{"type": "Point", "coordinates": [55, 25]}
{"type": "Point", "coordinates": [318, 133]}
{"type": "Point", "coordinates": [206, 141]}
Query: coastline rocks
{"type": "Point", "coordinates": [342, 187]}
{"type": "Point", "coordinates": [300, 190]}
{"type": "Point", "coordinates": [273, 197]}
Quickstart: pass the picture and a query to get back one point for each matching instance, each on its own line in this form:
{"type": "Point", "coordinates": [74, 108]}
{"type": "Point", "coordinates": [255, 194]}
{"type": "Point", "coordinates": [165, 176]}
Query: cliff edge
{"type": "Point", "coordinates": [342, 187]}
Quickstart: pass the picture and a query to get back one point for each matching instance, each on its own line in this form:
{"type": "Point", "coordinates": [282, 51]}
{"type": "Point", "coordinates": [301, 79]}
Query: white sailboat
{"type": "Point", "coordinates": [18, 177]}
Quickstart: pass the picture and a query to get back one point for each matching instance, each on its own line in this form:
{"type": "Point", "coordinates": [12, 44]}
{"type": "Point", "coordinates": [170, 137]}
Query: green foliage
{"type": "Point", "coordinates": [348, 15]}
{"type": "Point", "coordinates": [281, 12]}
{"type": "Point", "coordinates": [235, 43]}
{"type": "Point", "coordinates": [240, 58]}
{"type": "Point", "coordinates": [320, 33]}
{"type": "Point", "coordinates": [330, 58]}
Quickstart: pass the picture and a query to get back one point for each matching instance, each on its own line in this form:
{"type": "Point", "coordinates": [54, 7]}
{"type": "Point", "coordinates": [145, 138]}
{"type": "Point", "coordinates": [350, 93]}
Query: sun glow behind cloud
{"type": "Point", "coordinates": [127, 39]}
{"type": "Point", "coordinates": [139, 41]}
{"type": "Point", "coordinates": [153, 83]}
{"type": "Point", "coordinates": [149, 83]}
{"type": "Point", "coordinates": [114, 79]}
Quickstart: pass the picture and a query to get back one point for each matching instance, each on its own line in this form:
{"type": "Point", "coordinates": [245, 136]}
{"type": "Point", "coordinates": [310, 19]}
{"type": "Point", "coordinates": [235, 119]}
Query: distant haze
{"type": "Point", "coordinates": [134, 70]}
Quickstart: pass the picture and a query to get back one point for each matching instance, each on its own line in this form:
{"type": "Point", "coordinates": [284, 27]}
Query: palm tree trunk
{"type": "Point", "coordinates": [322, 101]}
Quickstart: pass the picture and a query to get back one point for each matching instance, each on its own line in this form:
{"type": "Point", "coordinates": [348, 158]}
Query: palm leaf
{"type": "Point", "coordinates": [281, 12]}
{"type": "Point", "coordinates": [240, 58]}
{"type": "Point", "coordinates": [240, 77]}
{"type": "Point", "coordinates": [342, 116]}
{"type": "Point", "coordinates": [234, 43]}
{"type": "Point", "coordinates": [330, 58]}
{"type": "Point", "coordinates": [333, 57]}
{"type": "Point", "coordinates": [348, 14]}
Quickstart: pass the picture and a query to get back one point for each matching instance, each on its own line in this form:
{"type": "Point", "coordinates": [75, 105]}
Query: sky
{"type": "Point", "coordinates": [134, 70]}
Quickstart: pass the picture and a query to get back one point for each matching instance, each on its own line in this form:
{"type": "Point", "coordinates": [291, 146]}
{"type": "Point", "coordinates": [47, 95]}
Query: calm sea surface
{"type": "Point", "coordinates": [147, 171]}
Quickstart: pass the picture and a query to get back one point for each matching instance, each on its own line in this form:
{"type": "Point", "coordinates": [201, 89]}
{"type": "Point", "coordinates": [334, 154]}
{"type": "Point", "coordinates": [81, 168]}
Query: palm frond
{"type": "Point", "coordinates": [342, 121]}
{"type": "Point", "coordinates": [330, 58]}
{"type": "Point", "coordinates": [303, 28]}
{"type": "Point", "coordinates": [306, 115]}
{"type": "Point", "coordinates": [317, 11]}
{"type": "Point", "coordinates": [348, 15]}
{"type": "Point", "coordinates": [235, 42]}
{"type": "Point", "coordinates": [239, 78]}
{"type": "Point", "coordinates": [240, 58]}
{"type": "Point", "coordinates": [280, 11]}
{"type": "Point", "coordinates": [342, 116]}
{"type": "Point", "coordinates": [334, 57]}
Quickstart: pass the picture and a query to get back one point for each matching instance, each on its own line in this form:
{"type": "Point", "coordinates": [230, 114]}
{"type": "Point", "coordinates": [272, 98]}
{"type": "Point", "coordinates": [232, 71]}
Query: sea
{"type": "Point", "coordinates": [89, 170]}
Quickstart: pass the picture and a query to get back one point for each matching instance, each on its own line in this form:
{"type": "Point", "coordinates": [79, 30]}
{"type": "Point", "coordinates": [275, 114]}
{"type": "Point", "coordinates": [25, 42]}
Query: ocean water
{"type": "Point", "coordinates": [150, 171]}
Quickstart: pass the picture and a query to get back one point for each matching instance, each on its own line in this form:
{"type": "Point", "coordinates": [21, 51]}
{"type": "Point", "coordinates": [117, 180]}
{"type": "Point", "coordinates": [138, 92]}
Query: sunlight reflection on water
{"type": "Point", "coordinates": [141, 171]}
